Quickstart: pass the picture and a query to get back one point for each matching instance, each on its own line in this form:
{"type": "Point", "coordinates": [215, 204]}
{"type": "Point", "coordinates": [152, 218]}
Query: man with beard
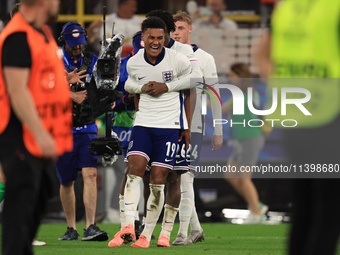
{"type": "Point", "coordinates": [74, 39]}
{"type": "Point", "coordinates": [35, 119]}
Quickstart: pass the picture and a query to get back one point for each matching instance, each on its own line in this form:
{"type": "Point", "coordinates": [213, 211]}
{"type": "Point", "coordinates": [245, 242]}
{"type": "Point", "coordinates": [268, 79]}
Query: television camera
{"type": "Point", "coordinates": [105, 78]}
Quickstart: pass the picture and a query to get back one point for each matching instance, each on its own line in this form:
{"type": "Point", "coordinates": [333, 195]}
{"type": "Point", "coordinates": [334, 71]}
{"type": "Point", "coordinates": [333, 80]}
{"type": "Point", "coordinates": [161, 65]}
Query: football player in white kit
{"type": "Point", "coordinates": [187, 210]}
{"type": "Point", "coordinates": [173, 195]}
{"type": "Point", "coordinates": [156, 125]}
{"type": "Point", "coordinates": [155, 89]}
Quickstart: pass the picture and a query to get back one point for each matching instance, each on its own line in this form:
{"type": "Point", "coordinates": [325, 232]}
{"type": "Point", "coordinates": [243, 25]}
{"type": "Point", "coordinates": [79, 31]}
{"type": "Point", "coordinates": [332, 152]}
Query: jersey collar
{"type": "Point", "coordinates": [159, 58]}
{"type": "Point", "coordinates": [171, 43]}
{"type": "Point", "coordinates": [194, 47]}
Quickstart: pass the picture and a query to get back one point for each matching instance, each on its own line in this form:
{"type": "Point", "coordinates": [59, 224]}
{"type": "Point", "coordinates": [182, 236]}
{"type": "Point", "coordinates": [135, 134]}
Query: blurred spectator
{"type": "Point", "coordinates": [216, 19]}
{"type": "Point", "coordinates": [126, 23]}
{"type": "Point", "coordinates": [247, 142]}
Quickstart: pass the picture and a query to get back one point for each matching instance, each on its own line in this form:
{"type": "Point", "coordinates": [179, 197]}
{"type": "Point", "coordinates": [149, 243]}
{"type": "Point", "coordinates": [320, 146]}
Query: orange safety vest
{"type": "Point", "coordinates": [47, 84]}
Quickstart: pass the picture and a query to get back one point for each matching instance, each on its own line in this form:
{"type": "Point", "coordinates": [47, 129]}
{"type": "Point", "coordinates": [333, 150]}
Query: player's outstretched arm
{"type": "Point", "coordinates": [211, 79]}
{"type": "Point", "coordinates": [216, 109]}
{"type": "Point", "coordinates": [187, 72]}
{"type": "Point", "coordinates": [189, 80]}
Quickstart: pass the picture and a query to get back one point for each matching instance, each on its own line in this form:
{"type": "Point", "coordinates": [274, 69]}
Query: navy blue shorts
{"type": "Point", "coordinates": [181, 162]}
{"type": "Point", "coordinates": [70, 163]}
{"type": "Point", "coordinates": [158, 144]}
{"type": "Point", "coordinates": [194, 150]}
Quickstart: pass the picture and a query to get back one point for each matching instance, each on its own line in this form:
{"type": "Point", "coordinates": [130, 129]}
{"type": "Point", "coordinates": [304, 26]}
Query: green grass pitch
{"type": "Point", "coordinates": [220, 238]}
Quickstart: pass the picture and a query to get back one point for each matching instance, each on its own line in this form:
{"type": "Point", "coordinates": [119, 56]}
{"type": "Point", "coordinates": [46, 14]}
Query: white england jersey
{"type": "Point", "coordinates": [208, 68]}
{"type": "Point", "coordinates": [182, 48]}
{"type": "Point", "coordinates": [186, 50]}
{"type": "Point", "coordinates": [167, 110]}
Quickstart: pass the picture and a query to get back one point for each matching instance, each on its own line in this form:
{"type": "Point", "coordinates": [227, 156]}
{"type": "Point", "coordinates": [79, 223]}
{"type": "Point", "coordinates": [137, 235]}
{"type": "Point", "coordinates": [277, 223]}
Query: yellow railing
{"type": "Point", "coordinates": [80, 15]}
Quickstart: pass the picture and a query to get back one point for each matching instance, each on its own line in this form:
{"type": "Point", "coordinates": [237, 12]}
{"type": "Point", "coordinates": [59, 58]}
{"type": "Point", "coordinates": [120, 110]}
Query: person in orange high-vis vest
{"type": "Point", "coordinates": [35, 119]}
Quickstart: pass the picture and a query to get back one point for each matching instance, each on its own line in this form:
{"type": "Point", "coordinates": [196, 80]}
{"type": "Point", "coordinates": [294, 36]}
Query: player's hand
{"type": "Point", "coordinates": [146, 87]}
{"type": "Point", "coordinates": [216, 142]}
{"type": "Point", "coordinates": [186, 134]}
{"type": "Point", "coordinates": [156, 89]}
{"type": "Point", "coordinates": [79, 97]}
{"type": "Point", "coordinates": [74, 77]}
{"type": "Point", "coordinates": [46, 143]}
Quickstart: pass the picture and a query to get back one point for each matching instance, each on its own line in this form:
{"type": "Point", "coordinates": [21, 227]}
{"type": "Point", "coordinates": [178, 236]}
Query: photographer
{"type": "Point", "coordinates": [73, 39]}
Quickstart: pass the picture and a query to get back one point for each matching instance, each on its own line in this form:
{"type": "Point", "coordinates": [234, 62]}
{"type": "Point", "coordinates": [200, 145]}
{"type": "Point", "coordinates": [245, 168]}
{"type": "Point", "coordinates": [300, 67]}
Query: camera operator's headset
{"type": "Point", "coordinates": [61, 39]}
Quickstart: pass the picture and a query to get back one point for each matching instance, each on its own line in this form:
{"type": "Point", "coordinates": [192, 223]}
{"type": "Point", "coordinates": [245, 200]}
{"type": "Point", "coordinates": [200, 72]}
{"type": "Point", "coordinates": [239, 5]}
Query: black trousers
{"type": "Point", "coordinates": [316, 215]}
{"type": "Point", "coordinates": [28, 187]}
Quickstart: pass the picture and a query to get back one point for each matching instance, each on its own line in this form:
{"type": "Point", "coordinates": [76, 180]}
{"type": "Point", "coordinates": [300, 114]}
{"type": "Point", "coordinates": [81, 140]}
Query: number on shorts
{"type": "Point", "coordinates": [172, 147]}
{"type": "Point", "coordinates": [194, 153]}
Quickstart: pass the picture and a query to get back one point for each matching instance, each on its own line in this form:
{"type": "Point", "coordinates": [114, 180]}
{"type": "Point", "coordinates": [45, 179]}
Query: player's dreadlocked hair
{"type": "Point", "coordinates": [152, 22]}
{"type": "Point", "coordinates": [166, 17]}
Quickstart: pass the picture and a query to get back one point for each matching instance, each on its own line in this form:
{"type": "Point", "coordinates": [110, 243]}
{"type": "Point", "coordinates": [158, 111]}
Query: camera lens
{"type": "Point", "coordinates": [106, 67]}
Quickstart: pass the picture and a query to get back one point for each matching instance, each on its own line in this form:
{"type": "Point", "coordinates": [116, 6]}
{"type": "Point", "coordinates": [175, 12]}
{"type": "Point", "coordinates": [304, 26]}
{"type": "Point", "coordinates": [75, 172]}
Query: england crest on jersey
{"type": "Point", "coordinates": [167, 76]}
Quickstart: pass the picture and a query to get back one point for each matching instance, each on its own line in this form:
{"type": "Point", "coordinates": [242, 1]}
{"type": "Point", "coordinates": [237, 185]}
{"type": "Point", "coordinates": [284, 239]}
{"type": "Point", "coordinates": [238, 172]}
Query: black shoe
{"type": "Point", "coordinates": [70, 234]}
{"type": "Point", "coordinates": [138, 229]}
{"type": "Point", "coordinates": [141, 230]}
{"type": "Point", "coordinates": [93, 233]}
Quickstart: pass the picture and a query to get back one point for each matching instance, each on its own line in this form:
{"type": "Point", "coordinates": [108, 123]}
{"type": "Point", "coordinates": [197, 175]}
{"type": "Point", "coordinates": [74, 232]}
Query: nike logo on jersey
{"type": "Point", "coordinates": [149, 210]}
{"type": "Point", "coordinates": [168, 160]}
{"type": "Point", "coordinates": [129, 203]}
{"type": "Point", "coordinates": [139, 78]}
{"type": "Point", "coordinates": [179, 161]}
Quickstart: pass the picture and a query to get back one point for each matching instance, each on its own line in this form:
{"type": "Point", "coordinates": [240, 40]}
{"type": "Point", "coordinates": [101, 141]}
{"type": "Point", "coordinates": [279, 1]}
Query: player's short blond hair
{"type": "Point", "coordinates": [183, 16]}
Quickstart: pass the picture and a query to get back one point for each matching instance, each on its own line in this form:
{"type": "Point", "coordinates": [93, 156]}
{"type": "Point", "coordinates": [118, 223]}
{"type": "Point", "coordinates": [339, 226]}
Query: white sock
{"type": "Point", "coordinates": [154, 208]}
{"type": "Point", "coordinates": [170, 213]}
{"type": "Point", "coordinates": [121, 211]}
{"type": "Point", "coordinates": [194, 222]}
{"type": "Point", "coordinates": [185, 209]}
{"type": "Point", "coordinates": [144, 220]}
{"type": "Point", "coordinates": [131, 198]}
{"type": "Point", "coordinates": [187, 202]}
